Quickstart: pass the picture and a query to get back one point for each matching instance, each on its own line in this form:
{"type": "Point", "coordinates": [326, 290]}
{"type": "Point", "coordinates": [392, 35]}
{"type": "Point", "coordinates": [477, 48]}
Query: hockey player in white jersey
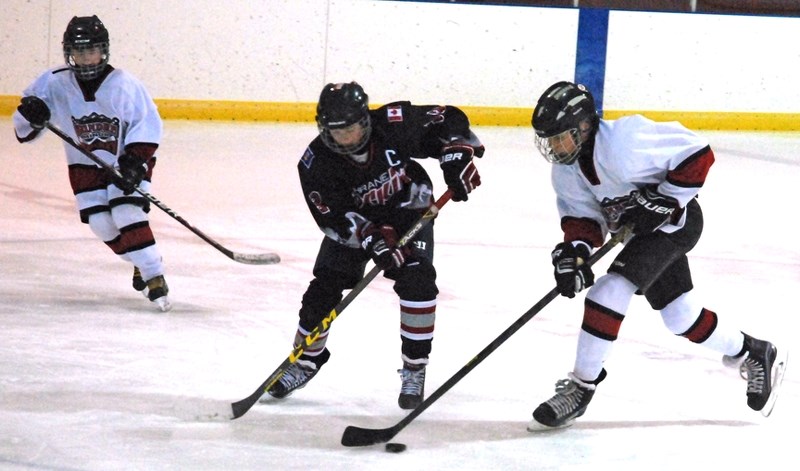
{"type": "Point", "coordinates": [108, 112]}
{"type": "Point", "coordinates": [645, 174]}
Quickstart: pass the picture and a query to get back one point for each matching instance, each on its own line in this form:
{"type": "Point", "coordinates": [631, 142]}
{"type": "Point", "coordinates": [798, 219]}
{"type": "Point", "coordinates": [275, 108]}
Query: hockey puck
{"type": "Point", "coordinates": [395, 447]}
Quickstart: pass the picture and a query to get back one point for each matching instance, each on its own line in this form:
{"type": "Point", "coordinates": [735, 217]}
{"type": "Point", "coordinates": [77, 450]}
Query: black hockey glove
{"type": "Point", "coordinates": [35, 111]}
{"type": "Point", "coordinates": [650, 210]}
{"type": "Point", "coordinates": [132, 170]}
{"type": "Point", "coordinates": [571, 273]}
{"type": "Point", "coordinates": [460, 173]}
{"type": "Point", "coordinates": [381, 244]}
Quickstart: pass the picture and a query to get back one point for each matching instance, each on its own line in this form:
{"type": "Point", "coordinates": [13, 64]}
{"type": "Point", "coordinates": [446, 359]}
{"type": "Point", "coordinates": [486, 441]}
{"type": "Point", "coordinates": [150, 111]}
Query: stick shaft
{"type": "Point", "coordinates": [357, 436]}
{"type": "Point", "coordinates": [241, 407]}
{"type": "Point", "coordinates": [254, 259]}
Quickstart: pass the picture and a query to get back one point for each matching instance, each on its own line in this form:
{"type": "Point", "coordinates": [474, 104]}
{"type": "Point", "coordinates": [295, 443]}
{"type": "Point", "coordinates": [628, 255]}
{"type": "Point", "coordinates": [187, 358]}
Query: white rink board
{"type": "Point", "coordinates": [478, 55]}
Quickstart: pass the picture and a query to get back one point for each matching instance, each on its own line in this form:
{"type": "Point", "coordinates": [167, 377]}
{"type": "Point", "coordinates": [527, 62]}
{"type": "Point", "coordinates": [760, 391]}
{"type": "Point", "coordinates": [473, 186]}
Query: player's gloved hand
{"type": "Point", "coordinates": [35, 111]}
{"type": "Point", "coordinates": [381, 244]}
{"type": "Point", "coordinates": [460, 173]}
{"type": "Point", "coordinates": [132, 169]}
{"type": "Point", "coordinates": [571, 272]}
{"type": "Point", "coordinates": [649, 210]}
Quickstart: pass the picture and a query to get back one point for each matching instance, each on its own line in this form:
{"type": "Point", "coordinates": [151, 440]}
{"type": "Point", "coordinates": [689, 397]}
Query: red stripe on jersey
{"type": "Point", "coordinates": [703, 327]}
{"type": "Point", "coordinates": [692, 171]}
{"type": "Point", "coordinates": [142, 150]}
{"type": "Point", "coordinates": [585, 229]}
{"type": "Point", "coordinates": [84, 178]}
{"type": "Point", "coordinates": [600, 321]}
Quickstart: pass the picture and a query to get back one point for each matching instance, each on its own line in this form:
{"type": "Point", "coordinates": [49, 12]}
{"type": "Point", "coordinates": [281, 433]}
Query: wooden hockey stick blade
{"type": "Point", "coordinates": [358, 436]}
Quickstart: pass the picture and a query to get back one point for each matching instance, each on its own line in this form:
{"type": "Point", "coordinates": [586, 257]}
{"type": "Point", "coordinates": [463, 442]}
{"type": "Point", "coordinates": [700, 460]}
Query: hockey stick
{"type": "Point", "coordinates": [252, 259]}
{"type": "Point", "coordinates": [239, 408]}
{"type": "Point", "coordinates": [357, 436]}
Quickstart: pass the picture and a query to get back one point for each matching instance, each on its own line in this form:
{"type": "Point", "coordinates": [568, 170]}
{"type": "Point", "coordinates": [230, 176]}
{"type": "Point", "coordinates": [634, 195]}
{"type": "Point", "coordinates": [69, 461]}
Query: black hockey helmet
{"type": "Point", "coordinates": [342, 105]}
{"type": "Point", "coordinates": [85, 33]}
{"type": "Point", "coordinates": [559, 115]}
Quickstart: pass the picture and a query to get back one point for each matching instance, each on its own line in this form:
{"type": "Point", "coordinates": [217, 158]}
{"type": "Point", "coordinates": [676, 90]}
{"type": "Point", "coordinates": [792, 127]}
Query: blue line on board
{"type": "Point", "coordinates": [590, 57]}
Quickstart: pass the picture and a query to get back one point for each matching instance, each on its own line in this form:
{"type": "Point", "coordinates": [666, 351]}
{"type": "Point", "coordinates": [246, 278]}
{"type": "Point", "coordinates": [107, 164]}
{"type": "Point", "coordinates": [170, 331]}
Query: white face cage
{"type": "Point", "coordinates": [563, 148]}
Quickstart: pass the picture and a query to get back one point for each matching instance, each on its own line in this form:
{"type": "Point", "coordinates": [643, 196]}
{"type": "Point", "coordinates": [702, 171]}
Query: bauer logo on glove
{"type": "Point", "coordinates": [651, 210]}
{"type": "Point", "coordinates": [460, 173]}
{"type": "Point", "coordinates": [654, 207]}
{"type": "Point", "coordinates": [452, 156]}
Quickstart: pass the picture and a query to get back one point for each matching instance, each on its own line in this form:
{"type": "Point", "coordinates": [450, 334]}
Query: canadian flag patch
{"type": "Point", "coordinates": [394, 114]}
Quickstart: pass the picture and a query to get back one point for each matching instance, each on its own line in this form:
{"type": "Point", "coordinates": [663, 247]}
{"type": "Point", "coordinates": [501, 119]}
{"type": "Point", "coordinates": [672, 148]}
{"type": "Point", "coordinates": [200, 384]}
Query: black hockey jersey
{"type": "Point", "coordinates": [388, 188]}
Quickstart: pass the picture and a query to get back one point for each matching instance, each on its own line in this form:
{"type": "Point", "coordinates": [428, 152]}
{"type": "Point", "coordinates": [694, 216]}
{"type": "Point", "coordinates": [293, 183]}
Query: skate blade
{"type": "Point", "coordinates": [163, 303]}
{"type": "Point", "coordinates": [778, 371]}
{"type": "Point", "coordinates": [536, 427]}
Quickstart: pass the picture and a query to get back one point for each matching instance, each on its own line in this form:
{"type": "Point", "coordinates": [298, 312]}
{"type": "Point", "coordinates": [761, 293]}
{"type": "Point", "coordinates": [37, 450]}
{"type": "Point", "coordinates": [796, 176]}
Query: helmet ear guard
{"type": "Point", "coordinates": [557, 120]}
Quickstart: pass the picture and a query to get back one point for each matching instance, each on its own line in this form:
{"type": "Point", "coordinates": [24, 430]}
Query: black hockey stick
{"type": "Point", "coordinates": [357, 436]}
{"type": "Point", "coordinates": [239, 408]}
{"type": "Point", "coordinates": [252, 259]}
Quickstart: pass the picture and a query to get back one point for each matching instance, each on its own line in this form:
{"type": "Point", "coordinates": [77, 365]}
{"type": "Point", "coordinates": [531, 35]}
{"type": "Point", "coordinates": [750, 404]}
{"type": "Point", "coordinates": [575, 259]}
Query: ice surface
{"type": "Point", "coordinates": [93, 377]}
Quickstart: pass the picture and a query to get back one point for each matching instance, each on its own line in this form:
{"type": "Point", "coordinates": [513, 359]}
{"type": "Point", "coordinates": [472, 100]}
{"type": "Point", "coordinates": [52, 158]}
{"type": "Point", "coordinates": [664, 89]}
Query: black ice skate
{"type": "Point", "coordinates": [138, 281]}
{"type": "Point", "coordinates": [763, 366]}
{"type": "Point", "coordinates": [296, 376]}
{"type": "Point", "coordinates": [570, 402]}
{"type": "Point", "coordinates": [157, 291]}
{"type": "Point", "coordinates": [412, 391]}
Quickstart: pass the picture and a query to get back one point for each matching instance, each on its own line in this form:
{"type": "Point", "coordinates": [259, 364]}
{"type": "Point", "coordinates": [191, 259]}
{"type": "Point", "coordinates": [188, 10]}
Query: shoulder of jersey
{"type": "Point", "coordinates": [391, 113]}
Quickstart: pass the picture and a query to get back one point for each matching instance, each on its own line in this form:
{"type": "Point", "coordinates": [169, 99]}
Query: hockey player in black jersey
{"type": "Point", "coordinates": [363, 188]}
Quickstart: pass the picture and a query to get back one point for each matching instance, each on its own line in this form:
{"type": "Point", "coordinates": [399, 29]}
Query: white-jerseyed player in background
{"type": "Point", "coordinates": [632, 171]}
{"type": "Point", "coordinates": [108, 112]}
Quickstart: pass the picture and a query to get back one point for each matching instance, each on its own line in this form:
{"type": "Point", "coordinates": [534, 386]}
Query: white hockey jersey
{"type": "Point", "coordinates": [120, 113]}
{"type": "Point", "coordinates": [629, 153]}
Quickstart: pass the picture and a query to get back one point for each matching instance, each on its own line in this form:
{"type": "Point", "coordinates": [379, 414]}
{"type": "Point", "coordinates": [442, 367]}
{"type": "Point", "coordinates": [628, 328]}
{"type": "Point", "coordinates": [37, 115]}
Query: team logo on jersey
{"type": "Point", "coordinates": [307, 157]}
{"type": "Point", "coordinates": [378, 191]}
{"type": "Point", "coordinates": [613, 209]}
{"type": "Point", "coordinates": [97, 132]}
{"type": "Point", "coordinates": [394, 114]}
{"type": "Point", "coordinates": [436, 115]}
